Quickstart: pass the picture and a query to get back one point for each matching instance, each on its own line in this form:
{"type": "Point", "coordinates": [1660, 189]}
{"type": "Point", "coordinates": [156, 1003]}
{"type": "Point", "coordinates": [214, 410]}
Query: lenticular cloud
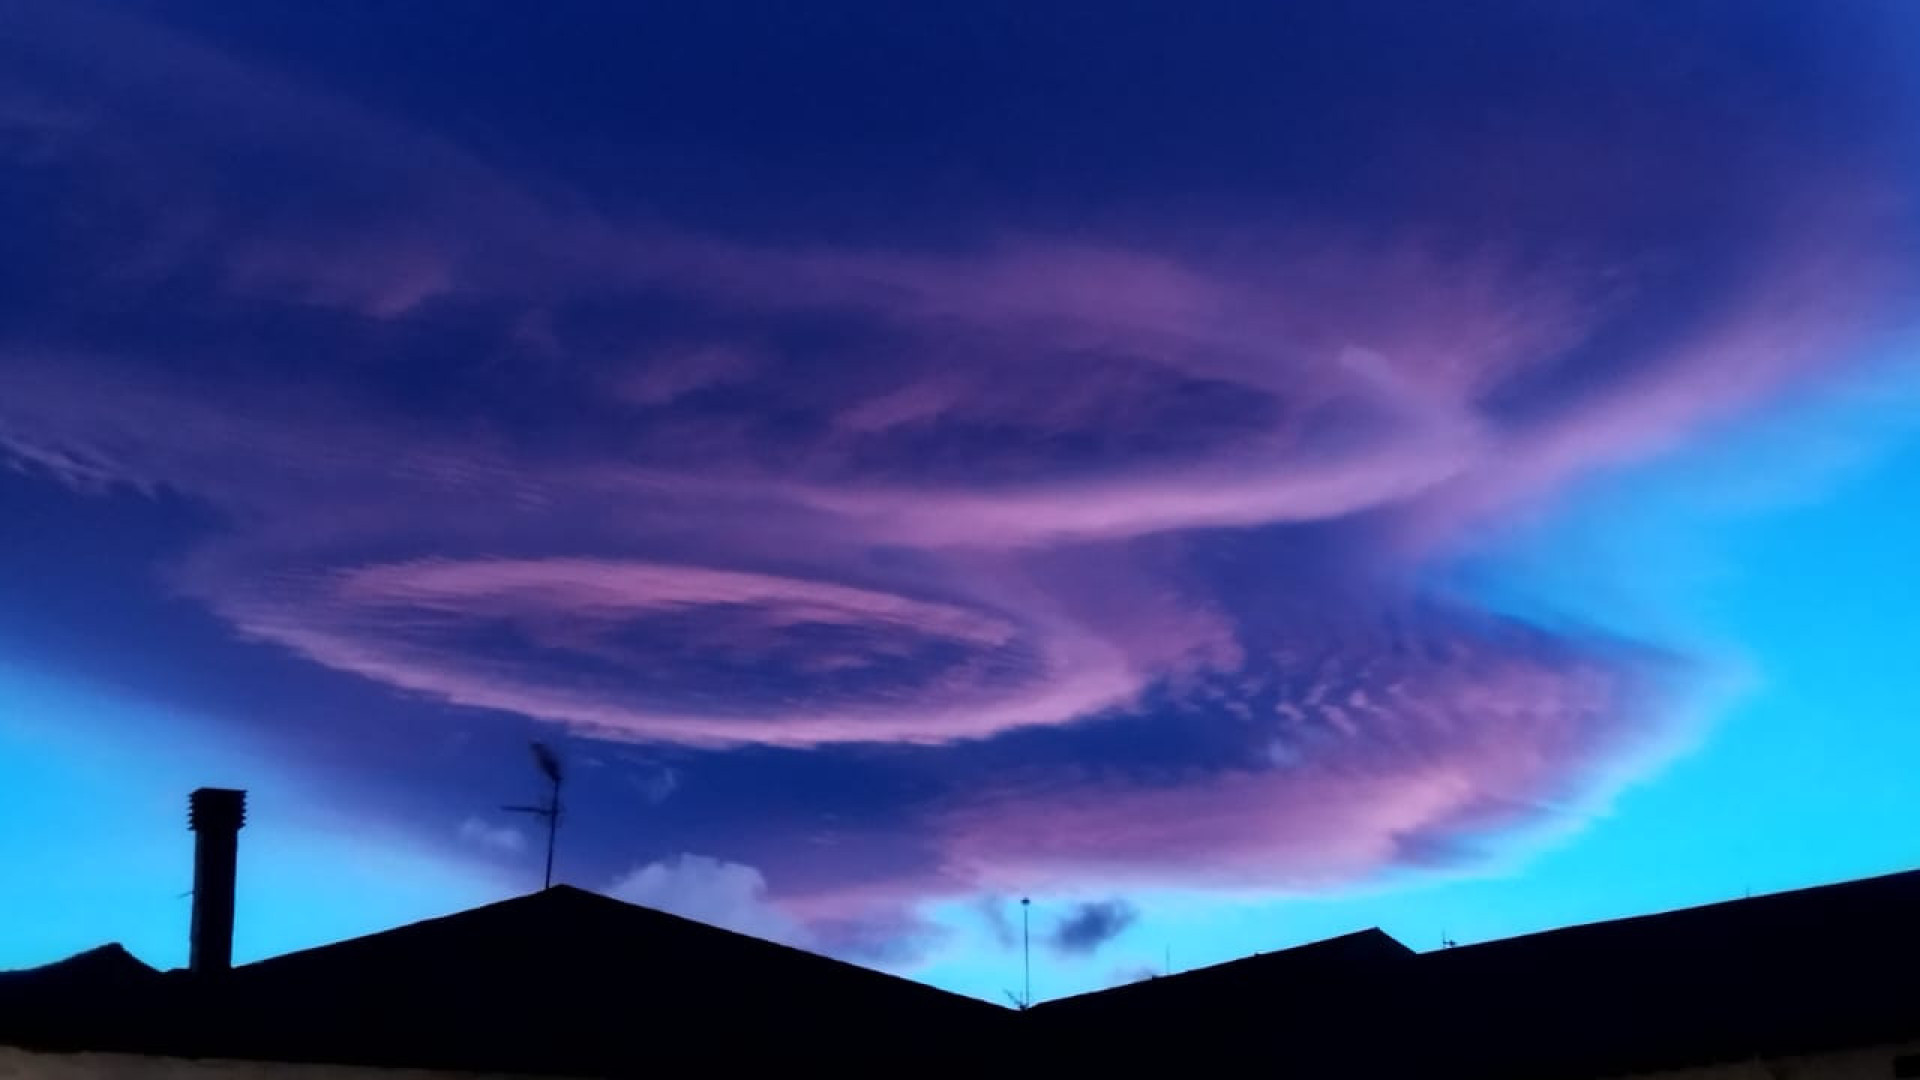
{"type": "Point", "coordinates": [650, 651]}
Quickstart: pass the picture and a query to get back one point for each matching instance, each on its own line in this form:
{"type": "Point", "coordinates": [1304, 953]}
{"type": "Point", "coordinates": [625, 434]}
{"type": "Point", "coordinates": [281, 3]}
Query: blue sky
{"type": "Point", "coordinates": [1235, 477]}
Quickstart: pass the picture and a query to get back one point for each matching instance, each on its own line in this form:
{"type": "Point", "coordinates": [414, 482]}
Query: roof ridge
{"type": "Point", "coordinates": [1756, 901]}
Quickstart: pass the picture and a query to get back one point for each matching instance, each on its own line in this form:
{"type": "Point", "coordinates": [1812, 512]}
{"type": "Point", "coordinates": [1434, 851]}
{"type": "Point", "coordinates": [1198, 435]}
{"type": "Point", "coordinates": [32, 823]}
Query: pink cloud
{"type": "Point", "coordinates": [1364, 412]}
{"type": "Point", "coordinates": [318, 477]}
{"type": "Point", "coordinates": [1406, 739]}
{"type": "Point", "coordinates": [1381, 749]}
{"type": "Point", "coordinates": [406, 624]}
{"type": "Point", "coordinates": [598, 589]}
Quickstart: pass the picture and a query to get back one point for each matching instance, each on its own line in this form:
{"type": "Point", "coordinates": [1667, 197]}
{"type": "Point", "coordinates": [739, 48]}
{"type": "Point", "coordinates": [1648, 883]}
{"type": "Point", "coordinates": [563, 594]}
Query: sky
{"type": "Point", "coordinates": [1230, 474]}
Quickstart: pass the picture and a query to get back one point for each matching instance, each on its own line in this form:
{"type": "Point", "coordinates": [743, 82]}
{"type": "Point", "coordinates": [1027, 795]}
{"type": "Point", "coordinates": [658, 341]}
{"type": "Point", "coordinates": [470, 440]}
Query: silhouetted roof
{"type": "Point", "coordinates": [566, 981]}
{"type": "Point", "coordinates": [1791, 973]}
{"type": "Point", "coordinates": [561, 981]}
{"type": "Point", "coordinates": [1293, 978]}
{"type": "Point", "coordinates": [105, 966]}
{"type": "Point", "coordinates": [1788, 973]}
{"type": "Point", "coordinates": [1306, 1008]}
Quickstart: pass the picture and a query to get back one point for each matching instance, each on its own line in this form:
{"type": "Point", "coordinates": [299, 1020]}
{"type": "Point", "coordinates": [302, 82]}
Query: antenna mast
{"type": "Point", "coordinates": [549, 766]}
{"type": "Point", "coordinates": [1026, 955]}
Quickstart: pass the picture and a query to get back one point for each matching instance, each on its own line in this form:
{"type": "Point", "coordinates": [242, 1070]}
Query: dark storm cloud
{"type": "Point", "coordinates": [972, 486]}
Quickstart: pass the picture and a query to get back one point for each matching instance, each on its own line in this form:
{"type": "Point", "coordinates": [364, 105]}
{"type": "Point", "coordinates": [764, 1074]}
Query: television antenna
{"type": "Point", "coordinates": [549, 765]}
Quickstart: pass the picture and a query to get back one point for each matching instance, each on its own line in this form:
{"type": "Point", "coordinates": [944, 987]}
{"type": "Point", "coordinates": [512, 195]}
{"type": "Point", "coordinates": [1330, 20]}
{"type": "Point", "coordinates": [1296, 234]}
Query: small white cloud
{"type": "Point", "coordinates": [713, 891]}
{"type": "Point", "coordinates": [499, 838]}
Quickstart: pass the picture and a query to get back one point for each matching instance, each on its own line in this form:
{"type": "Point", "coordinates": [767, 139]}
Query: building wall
{"type": "Point", "coordinates": [17, 1064]}
{"type": "Point", "coordinates": [1872, 1063]}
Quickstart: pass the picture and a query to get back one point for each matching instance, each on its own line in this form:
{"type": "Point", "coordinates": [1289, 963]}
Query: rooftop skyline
{"type": "Point", "coordinates": [1233, 476]}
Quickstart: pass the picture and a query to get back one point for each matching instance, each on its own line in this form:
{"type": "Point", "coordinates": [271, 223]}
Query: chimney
{"type": "Point", "coordinates": [215, 816]}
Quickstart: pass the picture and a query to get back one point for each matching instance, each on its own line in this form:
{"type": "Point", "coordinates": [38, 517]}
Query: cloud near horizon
{"type": "Point", "coordinates": [1090, 925]}
{"type": "Point", "coordinates": [712, 891]}
{"type": "Point", "coordinates": [1102, 546]}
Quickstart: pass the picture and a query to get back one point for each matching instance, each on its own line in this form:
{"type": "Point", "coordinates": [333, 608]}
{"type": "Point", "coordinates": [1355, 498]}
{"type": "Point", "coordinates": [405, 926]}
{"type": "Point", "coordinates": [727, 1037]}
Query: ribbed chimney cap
{"type": "Point", "coordinates": [223, 809]}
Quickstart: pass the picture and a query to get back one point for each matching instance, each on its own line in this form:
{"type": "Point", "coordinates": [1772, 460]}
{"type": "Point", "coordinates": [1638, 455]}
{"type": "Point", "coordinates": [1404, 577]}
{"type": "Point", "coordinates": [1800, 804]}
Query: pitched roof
{"type": "Point", "coordinates": [1262, 981]}
{"type": "Point", "coordinates": [561, 981]}
{"type": "Point", "coordinates": [1304, 1010]}
{"type": "Point", "coordinates": [97, 968]}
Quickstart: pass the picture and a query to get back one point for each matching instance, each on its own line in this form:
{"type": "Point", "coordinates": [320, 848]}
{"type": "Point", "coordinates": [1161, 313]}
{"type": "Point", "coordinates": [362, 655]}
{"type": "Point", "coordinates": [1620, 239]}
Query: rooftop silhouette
{"type": "Point", "coordinates": [568, 982]}
{"type": "Point", "coordinates": [558, 981]}
{"type": "Point", "coordinates": [565, 981]}
{"type": "Point", "coordinates": [1781, 975]}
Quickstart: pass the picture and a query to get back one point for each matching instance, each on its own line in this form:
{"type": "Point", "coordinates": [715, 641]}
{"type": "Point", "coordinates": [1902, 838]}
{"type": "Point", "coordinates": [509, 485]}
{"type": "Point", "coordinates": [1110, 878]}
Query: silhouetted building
{"type": "Point", "coordinates": [1817, 983]}
{"type": "Point", "coordinates": [559, 982]}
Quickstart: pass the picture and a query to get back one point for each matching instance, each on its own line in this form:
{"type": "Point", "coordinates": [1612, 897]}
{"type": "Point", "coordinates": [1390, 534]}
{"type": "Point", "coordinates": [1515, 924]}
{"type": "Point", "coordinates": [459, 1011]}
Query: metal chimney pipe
{"type": "Point", "coordinates": [215, 816]}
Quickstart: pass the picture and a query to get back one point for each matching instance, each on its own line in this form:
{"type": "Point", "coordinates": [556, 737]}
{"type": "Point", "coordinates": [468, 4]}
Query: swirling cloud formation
{"type": "Point", "coordinates": [1107, 514]}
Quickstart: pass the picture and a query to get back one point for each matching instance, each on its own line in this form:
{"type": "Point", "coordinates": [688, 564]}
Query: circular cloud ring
{"type": "Point", "coordinates": [391, 621]}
